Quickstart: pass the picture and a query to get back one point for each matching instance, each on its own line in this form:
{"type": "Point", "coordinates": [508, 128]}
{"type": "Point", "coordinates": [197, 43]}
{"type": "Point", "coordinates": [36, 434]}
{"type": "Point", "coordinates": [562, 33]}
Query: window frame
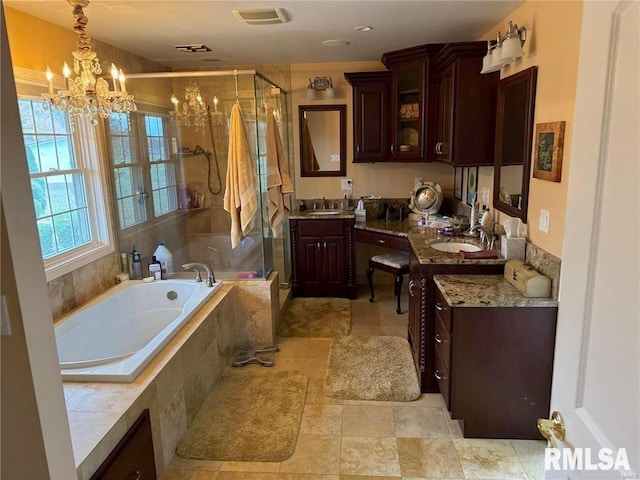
{"type": "Point", "coordinates": [86, 141]}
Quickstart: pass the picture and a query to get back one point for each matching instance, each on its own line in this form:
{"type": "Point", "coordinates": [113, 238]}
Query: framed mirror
{"type": "Point", "coordinates": [514, 133]}
{"type": "Point", "coordinates": [323, 143]}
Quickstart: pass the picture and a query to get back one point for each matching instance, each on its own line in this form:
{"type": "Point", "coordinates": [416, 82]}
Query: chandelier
{"type": "Point", "coordinates": [84, 95]}
{"type": "Point", "coordinates": [193, 112]}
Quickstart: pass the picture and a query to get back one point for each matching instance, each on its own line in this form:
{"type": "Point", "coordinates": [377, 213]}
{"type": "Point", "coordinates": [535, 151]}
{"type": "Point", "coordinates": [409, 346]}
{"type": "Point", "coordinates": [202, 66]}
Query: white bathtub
{"type": "Point", "coordinates": [113, 337]}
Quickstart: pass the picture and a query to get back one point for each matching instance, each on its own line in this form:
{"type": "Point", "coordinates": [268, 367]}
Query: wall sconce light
{"type": "Point", "coordinates": [505, 49]}
{"type": "Point", "coordinates": [320, 84]}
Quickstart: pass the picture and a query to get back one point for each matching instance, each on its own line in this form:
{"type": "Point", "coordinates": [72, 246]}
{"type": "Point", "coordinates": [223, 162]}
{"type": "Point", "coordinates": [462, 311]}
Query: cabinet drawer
{"type": "Point", "coordinates": [442, 339]}
{"type": "Point", "coordinates": [441, 373]}
{"type": "Point", "coordinates": [320, 227]}
{"type": "Point", "coordinates": [382, 239]}
{"type": "Point", "coordinates": [443, 311]}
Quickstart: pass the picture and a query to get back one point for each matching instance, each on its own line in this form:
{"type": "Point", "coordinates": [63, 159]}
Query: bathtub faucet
{"type": "Point", "coordinates": [211, 279]}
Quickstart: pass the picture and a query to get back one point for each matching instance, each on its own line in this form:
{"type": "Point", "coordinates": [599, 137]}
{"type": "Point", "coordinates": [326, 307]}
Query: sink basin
{"type": "Point", "coordinates": [455, 247]}
{"type": "Point", "coordinates": [324, 212]}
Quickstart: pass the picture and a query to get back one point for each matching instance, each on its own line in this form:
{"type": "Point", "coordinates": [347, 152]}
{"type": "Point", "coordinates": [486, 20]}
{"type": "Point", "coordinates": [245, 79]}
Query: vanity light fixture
{"type": "Point", "coordinates": [84, 95]}
{"type": "Point", "coordinates": [319, 85]}
{"type": "Point", "coordinates": [505, 49]}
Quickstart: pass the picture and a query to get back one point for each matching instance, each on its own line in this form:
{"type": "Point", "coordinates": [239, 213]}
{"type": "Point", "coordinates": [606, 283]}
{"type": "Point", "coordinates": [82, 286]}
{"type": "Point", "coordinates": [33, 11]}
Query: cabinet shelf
{"type": "Point", "coordinates": [412, 91]}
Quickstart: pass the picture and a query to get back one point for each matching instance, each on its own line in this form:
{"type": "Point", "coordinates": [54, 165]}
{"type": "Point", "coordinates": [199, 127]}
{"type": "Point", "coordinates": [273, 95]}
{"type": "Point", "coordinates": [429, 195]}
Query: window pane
{"type": "Point", "coordinates": [47, 241]}
{"type": "Point", "coordinates": [118, 124]}
{"type": "Point", "coordinates": [66, 160]}
{"type": "Point", "coordinates": [117, 151]}
{"type": "Point", "coordinates": [47, 152]}
{"type": "Point", "coordinates": [63, 231]}
{"type": "Point", "coordinates": [60, 122]}
{"type": "Point", "coordinates": [58, 193]}
{"type": "Point", "coordinates": [81, 226]}
{"type": "Point", "coordinates": [42, 119]}
{"type": "Point", "coordinates": [76, 190]}
{"type": "Point", "coordinates": [40, 197]}
{"type": "Point", "coordinates": [126, 150]}
{"type": "Point", "coordinates": [31, 150]}
{"type": "Point", "coordinates": [26, 116]}
{"type": "Point", "coordinates": [127, 212]}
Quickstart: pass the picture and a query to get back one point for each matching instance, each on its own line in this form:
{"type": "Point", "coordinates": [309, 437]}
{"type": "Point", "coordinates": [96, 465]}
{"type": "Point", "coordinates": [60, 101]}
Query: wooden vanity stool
{"type": "Point", "coordinates": [394, 262]}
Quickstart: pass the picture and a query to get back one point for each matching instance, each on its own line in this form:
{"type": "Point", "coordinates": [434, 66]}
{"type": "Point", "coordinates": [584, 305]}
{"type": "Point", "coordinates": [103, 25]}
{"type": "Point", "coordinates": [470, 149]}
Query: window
{"type": "Point", "coordinates": [66, 186]}
{"type": "Point", "coordinates": [139, 152]}
{"type": "Point", "coordinates": [163, 174]}
{"type": "Point", "coordinates": [127, 172]}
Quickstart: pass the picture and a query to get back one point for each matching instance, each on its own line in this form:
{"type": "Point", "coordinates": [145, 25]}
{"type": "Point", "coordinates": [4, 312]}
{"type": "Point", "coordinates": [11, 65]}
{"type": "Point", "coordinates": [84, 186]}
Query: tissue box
{"type": "Point", "coordinates": [513, 247]}
{"type": "Point", "coordinates": [529, 282]}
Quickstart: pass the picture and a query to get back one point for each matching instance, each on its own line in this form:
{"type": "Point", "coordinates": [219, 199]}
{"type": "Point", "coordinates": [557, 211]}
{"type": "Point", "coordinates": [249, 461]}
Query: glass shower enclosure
{"type": "Point", "coordinates": [188, 154]}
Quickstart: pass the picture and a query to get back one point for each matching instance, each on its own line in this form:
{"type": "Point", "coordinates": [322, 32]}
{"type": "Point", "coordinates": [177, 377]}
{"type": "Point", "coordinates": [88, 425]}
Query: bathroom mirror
{"type": "Point", "coordinates": [514, 133]}
{"type": "Point", "coordinates": [323, 140]}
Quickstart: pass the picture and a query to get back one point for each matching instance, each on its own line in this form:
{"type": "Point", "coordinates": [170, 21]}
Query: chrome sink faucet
{"type": "Point", "coordinates": [487, 237]}
{"type": "Point", "coordinates": [211, 279]}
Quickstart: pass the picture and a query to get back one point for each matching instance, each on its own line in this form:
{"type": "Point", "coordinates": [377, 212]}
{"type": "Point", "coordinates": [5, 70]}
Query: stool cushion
{"type": "Point", "coordinates": [393, 260]}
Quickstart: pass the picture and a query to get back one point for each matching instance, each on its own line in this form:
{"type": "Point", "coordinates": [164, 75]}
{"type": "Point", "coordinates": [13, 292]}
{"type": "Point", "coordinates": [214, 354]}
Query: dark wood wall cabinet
{"type": "Point", "coordinates": [494, 367]}
{"type": "Point", "coordinates": [431, 105]}
{"type": "Point", "coordinates": [132, 459]}
{"type": "Point", "coordinates": [422, 294]}
{"type": "Point", "coordinates": [462, 106]}
{"type": "Point", "coordinates": [371, 92]}
{"type": "Point", "coordinates": [390, 108]}
{"type": "Point", "coordinates": [322, 258]}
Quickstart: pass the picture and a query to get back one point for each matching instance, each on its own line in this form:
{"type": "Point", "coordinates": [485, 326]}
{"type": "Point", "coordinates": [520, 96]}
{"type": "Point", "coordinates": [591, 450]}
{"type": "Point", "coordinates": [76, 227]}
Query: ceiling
{"type": "Point", "coordinates": [152, 28]}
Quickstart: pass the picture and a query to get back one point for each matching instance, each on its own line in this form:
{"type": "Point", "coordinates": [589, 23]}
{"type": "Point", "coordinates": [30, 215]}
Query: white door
{"type": "Point", "coordinates": [597, 361]}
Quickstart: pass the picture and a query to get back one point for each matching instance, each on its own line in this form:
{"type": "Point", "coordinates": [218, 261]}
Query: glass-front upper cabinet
{"type": "Point", "coordinates": [410, 71]}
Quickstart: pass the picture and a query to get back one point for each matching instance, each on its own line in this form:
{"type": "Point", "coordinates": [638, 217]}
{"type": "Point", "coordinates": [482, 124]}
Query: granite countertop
{"type": "Point", "coordinates": [308, 214]}
{"type": "Point", "coordinates": [419, 238]}
{"type": "Point", "coordinates": [485, 291]}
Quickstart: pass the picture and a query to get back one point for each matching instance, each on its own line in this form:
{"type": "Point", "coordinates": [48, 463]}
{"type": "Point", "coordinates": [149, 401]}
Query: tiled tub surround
{"type": "Point", "coordinates": [173, 387]}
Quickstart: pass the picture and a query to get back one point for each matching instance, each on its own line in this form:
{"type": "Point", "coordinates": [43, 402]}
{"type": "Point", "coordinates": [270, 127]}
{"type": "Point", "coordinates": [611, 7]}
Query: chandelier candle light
{"type": "Point", "coordinates": [84, 96]}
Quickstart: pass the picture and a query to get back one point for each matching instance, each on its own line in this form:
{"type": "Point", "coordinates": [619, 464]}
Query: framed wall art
{"type": "Point", "coordinates": [547, 158]}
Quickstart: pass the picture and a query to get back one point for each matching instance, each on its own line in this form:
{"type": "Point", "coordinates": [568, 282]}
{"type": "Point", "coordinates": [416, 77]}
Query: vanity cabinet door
{"type": "Point", "coordinates": [370, 115]}
{"type": "Point", "coordinates": [463, 117]}
{"type": "Point", "coordinates": [132, 459]}
{"type": "Point", "coordinates": [322, 253]}
{"type": "Point", "coordinates": [417, 292]}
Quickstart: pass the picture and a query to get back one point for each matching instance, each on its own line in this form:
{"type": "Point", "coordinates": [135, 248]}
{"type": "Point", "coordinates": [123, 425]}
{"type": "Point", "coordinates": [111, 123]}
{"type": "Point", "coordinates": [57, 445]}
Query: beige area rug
{"type": "Point", "coordinates": [371, 368]}
{"type": "Point", "coordinates": [316, 317]}
{"type": "Point", "coordinates": [248, 417]}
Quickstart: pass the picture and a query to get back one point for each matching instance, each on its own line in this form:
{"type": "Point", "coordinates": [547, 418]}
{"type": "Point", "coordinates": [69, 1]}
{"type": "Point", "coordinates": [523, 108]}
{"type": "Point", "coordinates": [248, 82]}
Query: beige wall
{"type": "Point", "coordinates": [385, 179]}
{"type": "Point", "coordinates": [553, 46]}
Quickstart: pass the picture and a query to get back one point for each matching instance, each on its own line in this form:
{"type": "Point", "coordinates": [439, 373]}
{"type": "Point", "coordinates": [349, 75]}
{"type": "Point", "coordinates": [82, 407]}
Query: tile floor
{"type": "Point", "coordinates": [358, 440]}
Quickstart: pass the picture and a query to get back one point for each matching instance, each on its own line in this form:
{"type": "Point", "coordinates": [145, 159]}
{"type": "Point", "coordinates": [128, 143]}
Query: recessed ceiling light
{"type": "Point", "coordinates": [335, 43]}
{"type": "Point", "coordinates": [193, 48]}
{"type": "Point", "coordinates": [363, 28]}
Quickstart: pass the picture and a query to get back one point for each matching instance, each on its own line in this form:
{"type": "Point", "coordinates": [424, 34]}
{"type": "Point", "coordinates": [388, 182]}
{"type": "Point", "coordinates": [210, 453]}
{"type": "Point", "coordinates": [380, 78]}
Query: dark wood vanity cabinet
{"type": "Point", "coordinates": [422, 294]}
{"type": "Point", "coordinates": [322, 258]}
{"type": "Point", "coordinates": [462, 106]}
{"type": "Point", "coordinates": [494, 367]}
{"type": "Point", "coordinates": [371, 92]}
{"type": "Point", "coordinates": [132, 458]}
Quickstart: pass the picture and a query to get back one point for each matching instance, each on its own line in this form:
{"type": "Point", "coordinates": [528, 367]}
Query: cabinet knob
{"type": "Point", "coordinates": [437, 338]}
{"type": "Point", "coordinates": [382, 241]}
{"type": "Point", "coordinates": [358, 149]}
{"type": "Point", "coordinates": [412, 285]}
{"type": "Point", "coordinates": [439, 307]}
{"type": "Point", "coordinates": [318, 245]}
{"type": "Point", "coordinates": [324, 245]}
{"type": "Point", "coordinates": [393, 148]}
{"type": "Point", "coordinates": [137, 475]}
{"type": "Point", "coordinates": [438, 375]}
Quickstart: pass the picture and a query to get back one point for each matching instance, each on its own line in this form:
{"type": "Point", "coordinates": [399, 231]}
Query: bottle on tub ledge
{"type": "Point", "coordinates": [155, 268]}
{"type": "Point", "coordinates": [163, 255]}
{"type": "Point", "coordinates": [136, 265]}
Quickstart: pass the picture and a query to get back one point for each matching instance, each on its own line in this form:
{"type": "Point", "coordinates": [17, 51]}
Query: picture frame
{"type": "Point", "coordinates": [472, 184]}
{"type": "Point", "coordinates": [457, 183]}
{"type": "Point", "coordinates": [549, 144]}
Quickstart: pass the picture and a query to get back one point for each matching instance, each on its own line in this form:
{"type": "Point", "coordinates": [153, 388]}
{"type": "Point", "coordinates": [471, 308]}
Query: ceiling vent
{"type": "Point", "coordinates": [195, 48]}
{"type": "Point", "coordinates": [261, 16]}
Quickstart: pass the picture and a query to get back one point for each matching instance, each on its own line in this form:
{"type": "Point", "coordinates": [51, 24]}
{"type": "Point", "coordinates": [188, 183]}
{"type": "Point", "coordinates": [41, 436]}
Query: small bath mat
{"type": "Point", "coordinates": [248, 417]}
{"type": "Point", "coordinates": [371, 368]}
{"type": "Point", "coordinates": [317, 318]}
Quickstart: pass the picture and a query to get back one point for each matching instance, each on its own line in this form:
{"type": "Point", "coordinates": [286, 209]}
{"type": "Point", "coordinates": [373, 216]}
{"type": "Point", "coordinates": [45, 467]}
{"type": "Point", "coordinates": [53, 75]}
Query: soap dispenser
{"type": "Point", "coordinates": [136, 265]}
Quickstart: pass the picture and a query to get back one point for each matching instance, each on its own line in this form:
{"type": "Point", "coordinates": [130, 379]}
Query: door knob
{"type": "Point", "coordinates": [552, 428]}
